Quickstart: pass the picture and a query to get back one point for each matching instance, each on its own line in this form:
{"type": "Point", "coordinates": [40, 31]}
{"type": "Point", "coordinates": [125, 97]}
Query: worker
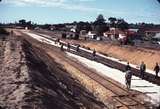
{"type": "Point", "coordinates": [58, 40]}
{"type": "Point", "coordinates": [61, 47]}
{"type": "Point", "coordinates": [94, 53]}
{"type": "Point", "coordinates": [156, 69]}
{"type": "Point", "coordinates": [77, 49]}
{"type": "Point", "coordinates": [68, 46]}
{"type": "Point", "coordinates": [128, 67]}
{"type": "Point", "coordinates": [128, 77]}
{"type": "Point", "coordinates": [142, 69]}
{"type": "Point", "coordinates": [11, 32]}
{"type": "Point", "coordinates": [55, 41]}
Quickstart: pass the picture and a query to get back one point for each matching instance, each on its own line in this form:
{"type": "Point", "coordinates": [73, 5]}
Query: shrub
{"type": "Point", "coordinates": [3, 31]}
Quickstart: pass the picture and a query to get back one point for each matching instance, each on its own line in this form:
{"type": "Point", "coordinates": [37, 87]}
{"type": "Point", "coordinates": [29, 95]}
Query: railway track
{"type": "Point", "coordinates": [113, 64]}
{"type": "Point", "coordinates": [124, 99]}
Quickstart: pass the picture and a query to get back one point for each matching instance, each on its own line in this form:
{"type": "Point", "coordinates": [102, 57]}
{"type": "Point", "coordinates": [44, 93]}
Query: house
{"type": "Point", "coordinates": [148, 33]}
{"type": "Point", "coordinates": [52, 28]}
{"type": "Point", "coordinates": [26, 28]}
{"type": "Point", "coordinates": [70, 35]}
{"type": "Point", "coordinates": [83, 33]}
{"type": "Point", "coordinates": [92, 35]}
{"type": "Point", "coordinates": [133, 33]}
{"type": "Point", "coordinates": [133, 30]}
{"type": "Point", "coordinates": [71, 28]}
{"type": "Point", "coordinates": [156, 38]}
{"type": "Point", "coordinates": [37, 28]}
{"type": "Point", "coordinates": [115, 33]}
{"type": "Point", "coordinates": [151, 32]}
{"type": "Point", "coordinates": [123, 36]}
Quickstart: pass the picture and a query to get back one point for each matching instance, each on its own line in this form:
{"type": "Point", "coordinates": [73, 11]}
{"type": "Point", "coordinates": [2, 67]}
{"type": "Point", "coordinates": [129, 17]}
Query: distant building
{"type": "Point", "coordinates": [133, 30]}
{"type": "Point", "coordinates": [152, 32]}
{"type": "Point", "coordinates": [156, 38]}
{"type": "Point", "coordinates": [52, 28]}
{"type": "Point", "coordinates": [83, 33]}
{"type": "Point", "coordinates": [92, 35]}
{"type": "Point", "coordinates": [37, 28]}
{"type": "Point", "coordinates": [115, 33]}
{"type": "Point", "coordinates": [70, 35]}
{"type": "Point", "coordinates": [71, 28]}
{"type": "Point", "coordinates": [123, 36]}
{"type": "Point", "coordinates": [26, 28]}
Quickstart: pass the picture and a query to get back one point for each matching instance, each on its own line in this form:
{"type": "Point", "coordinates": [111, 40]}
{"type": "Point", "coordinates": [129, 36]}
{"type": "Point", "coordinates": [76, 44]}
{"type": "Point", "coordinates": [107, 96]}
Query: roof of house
{"type": "Point", "coordinates": [134, 30]}
{"type": "Point", "coordinates": [154, 30]}
{"type": "Point", "coordinates": [115, 31]}
{"type": "Point", "coordinates": [92, 32]}
{"type": "Point", "coordinates": [157, 36]}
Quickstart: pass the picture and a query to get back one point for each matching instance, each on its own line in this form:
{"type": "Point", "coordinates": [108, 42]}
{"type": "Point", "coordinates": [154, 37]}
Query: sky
{"type": "Point", "coordinates": [63, 11]}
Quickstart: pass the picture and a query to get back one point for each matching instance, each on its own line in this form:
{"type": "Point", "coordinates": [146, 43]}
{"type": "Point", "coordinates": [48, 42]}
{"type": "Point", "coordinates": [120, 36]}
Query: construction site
{"type": "Point", "coordinates": [79, 54]}
{"type": "Point", "coordinates": [38, 73]}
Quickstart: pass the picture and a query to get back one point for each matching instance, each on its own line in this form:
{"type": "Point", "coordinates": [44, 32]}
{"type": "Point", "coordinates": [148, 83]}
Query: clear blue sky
{"type": "Point", "coordinates": [60, 11]}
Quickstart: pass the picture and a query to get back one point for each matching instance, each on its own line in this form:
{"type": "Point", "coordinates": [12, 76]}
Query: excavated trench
{"type": "Point", "coordinates": [30, 79]}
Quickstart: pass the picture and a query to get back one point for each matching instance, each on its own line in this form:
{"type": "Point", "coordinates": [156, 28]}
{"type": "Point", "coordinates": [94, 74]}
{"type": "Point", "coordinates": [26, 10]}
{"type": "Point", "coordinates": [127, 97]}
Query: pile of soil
{"type": "Point", "coordinates": [132, 54]}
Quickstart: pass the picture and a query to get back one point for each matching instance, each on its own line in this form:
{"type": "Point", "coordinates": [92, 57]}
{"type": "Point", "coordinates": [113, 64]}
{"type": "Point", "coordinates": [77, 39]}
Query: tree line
{"type": "Point", "coordinates": [100, 25]}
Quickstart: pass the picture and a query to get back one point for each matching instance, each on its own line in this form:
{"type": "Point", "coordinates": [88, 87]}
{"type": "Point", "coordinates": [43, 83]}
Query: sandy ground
{"type": "Point", "coordinates": [131, 54]}
{"type": "Point", "coordinates": [30, 79]}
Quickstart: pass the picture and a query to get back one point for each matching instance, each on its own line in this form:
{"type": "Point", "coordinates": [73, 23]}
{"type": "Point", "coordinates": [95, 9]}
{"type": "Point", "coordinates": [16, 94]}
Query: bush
{"type": "Point", "coordinates": [3, 31]}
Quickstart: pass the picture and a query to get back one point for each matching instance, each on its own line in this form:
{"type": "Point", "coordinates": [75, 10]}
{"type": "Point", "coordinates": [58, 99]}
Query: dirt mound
{"type": "Point", "coordinates": [30, 80]}
{"type": "Point", "coordinates": [132, 54]}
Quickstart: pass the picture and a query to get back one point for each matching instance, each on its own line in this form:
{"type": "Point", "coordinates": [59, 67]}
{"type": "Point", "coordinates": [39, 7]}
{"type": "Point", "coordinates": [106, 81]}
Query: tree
{"type": "Point", "coordinates": [99, 25]}
{"type": "Point", "coordinates": [22, 22]}
{"type": "Point", "coordinates": [112, 21]}
{"type": "Point", "coordinates": [100, 29]}
{"type": "Point", "coordinates": [122, 24]}
{"type": "Point", "coordinates": [100, 20]}
{"type": "Point", "coordinates": [83, 26]}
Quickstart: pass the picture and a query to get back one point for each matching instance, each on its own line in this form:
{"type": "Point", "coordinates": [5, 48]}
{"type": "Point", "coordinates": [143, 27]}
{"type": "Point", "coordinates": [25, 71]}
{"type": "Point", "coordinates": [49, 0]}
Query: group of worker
{"type": "Point", "coordinates": [128, 75]}
{"type": "Point", "coordinates": [77, 48]}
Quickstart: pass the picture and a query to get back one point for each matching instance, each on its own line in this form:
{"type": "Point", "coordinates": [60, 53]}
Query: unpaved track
{"type": "Point", "coordinates": [136, 101]}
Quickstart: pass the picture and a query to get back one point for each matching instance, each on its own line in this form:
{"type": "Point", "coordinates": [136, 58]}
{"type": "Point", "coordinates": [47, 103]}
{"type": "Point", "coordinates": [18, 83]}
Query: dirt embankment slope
{"type": "Point", "coordinates": [30, 80]}
{"type": "Point", "coordinates": [132, 54]}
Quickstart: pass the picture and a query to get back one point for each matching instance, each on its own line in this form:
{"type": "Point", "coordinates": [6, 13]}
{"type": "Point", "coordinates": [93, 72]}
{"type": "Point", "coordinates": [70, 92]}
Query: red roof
{"type": "Point", "coordinates": [155, 30]}
{"type": "Point", "coordinates": [116, 31]}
